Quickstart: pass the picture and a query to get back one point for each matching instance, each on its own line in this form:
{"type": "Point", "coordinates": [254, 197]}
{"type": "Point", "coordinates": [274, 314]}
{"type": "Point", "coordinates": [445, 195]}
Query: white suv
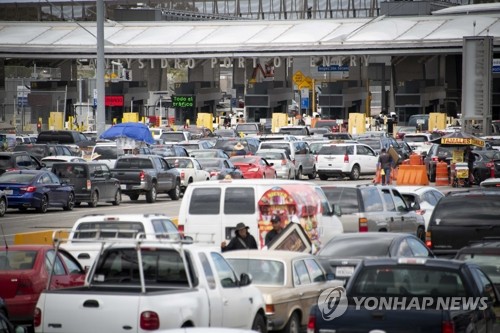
{"type": "Point", "coordinates": [346, 159]}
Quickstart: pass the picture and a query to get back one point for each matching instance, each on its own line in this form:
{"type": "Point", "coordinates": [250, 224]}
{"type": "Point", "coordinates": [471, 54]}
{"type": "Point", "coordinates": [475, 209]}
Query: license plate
{"type": "Point", "coordinates": [344, 271]}
{"type": "Point", "coordinates": [123, 186]}
{"type": "Point", "coordinates": [8, 192]}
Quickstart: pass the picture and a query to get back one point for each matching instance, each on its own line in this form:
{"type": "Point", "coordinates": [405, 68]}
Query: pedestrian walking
{"type": "Point", "coordinates": [277, 229]}
{"type": "Point", "coordinates": [385, 165]}
{"type": "Point", "coordinates": [241, 241]}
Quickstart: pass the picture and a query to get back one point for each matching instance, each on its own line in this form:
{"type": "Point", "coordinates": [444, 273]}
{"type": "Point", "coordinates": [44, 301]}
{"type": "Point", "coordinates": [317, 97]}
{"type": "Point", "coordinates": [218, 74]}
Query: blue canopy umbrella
{"type": "Point", "coordinates": [135, 131]}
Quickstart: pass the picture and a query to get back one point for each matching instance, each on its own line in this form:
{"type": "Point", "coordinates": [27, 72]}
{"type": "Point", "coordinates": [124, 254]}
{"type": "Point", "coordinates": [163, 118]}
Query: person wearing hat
{"type": "Point", "coordinates": [239, 149]}
{"type": "Point", "coordinates": [277, 228]}
{"type": "Point", "coordinates": [241, 241]}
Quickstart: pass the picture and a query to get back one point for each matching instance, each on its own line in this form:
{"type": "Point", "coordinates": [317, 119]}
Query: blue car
{"type": "Point", "coordinates": [38, 189]}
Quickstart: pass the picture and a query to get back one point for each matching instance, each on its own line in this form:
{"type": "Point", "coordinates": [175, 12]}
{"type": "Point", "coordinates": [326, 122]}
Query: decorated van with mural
{"type": "Point", "coordinates": [210, 210]}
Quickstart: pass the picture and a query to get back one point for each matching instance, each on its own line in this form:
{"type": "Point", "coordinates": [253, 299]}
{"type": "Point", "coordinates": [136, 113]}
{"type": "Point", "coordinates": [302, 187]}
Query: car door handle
{"type": "Point", "coordinates": [301, 294]}
{"type": "Point", "coordinates": [225, 301]}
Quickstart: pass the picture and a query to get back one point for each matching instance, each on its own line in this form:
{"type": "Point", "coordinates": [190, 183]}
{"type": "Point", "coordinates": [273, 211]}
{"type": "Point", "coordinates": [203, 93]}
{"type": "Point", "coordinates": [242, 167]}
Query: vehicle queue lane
{"type": "Point", "coordinates": [16, 221]}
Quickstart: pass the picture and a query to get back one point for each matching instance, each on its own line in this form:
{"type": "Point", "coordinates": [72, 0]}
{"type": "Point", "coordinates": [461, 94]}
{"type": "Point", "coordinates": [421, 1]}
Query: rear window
{"type": "Point", "coordinates": [172, 136]}
{"type": "Point", "coordinates": [108, 230]}
{"type": "Point", "coordinates": [420, 281]}
{"type": "Point", "coordinates": [105, 153]}
{"type": "Point", "coordinates": [229, 144]}
{"type": "Point", "coordinates": [467, 210]}
{"type": "Point", "coordinates": [293, 131]}
{"type": "Point", "coordinates": [69, 171]}
{"type": "Point", "coordinates": [37, 151]}
{"type": "Point", "coordinates": [20, 178]}
{"type": "Point", "coordinates": [239, 200]}
{"type": "Point", "coordinates": [336, 150]}
{"type": "Point", "coordinates": [487, 262]}
{"type": "Point", "coordinates": [345, 198]}
{"type": "Point", "coordinates": [62, 137]}
{"type": "Point", "coordinates": [134, 163]}
{"type": "Point", "coordinates": [271, 155]}
{"type": "Point", "coordinates": [264, 272]}
{"type": "Point", "coordinates": [205, 201]}
{"type": "Point", "coordinates": [210, 163]}
{"type": "Point", "coordinates": [374, 144]}
{"type": "Point", "coordinates": [416, 138]}
{"type": "Point", "coordinates": [275, 145]}
{"type": "Point", "coordinates": [249, 128]}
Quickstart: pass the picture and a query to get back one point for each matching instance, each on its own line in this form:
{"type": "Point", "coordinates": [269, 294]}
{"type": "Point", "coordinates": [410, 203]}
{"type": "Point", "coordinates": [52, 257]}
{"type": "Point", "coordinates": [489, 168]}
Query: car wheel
{"type": "Point", "coordinates": [299, 174]}
{"type": "Point", "coordinates": [175, 193]}
{"type": "Point", "coordinates": [354, 173]}
{"type": "Point", "coordinates": [293, 324]}
{"type": "Point", "coordinates": [44, 205]}
{"type": "Point", "coordinates": [432, 175]}
{"type": "Point", "coordinates": [151, 194]}
{"type": "Point", "coordinates": [94, 199]}
{"type": "Point", "coordinates": [259, 324]}
{"type": "Point", "coordinates": [70, 204]}
{"type": "Point", "coordinates": [323, 177]}
{"type": "Point", "coordinates": [312, 175]}
{"type": "Point", "coordinates": [477, 177]}
{"type": "Point", "coordinates": [133, 197]}
{"type": "Point", "coordinates": [421, 234]}
{"type": "Point", "coordinates": [3, 206]}
{"type": "Point", "coordinates": [118, 198]}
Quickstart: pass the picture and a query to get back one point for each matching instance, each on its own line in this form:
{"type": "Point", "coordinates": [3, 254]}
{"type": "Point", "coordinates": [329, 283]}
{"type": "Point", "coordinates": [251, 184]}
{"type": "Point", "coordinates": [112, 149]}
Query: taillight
{"type": "Point", "coordinates": [150, 321]}
{"type": "Point", "coordinates": [182, 175]}
{"type": "Point", "coordinates": [311, 324]}
{"type": "Point", "coordinates": [283, 162]}
{"type": "Point", "coordinates": [420, 211]}
{"type": "Point", "coordinates": [346, 158]}
{"type": "Point", "coordinates": [180, 229]}
{"type": "Point", "coordinates": [448, 327]}
{"type": "Point", "coordinates": [28, 189]}
{"type": "Point", "coordinates": [428, 239]}
{"type": "Point", "coordinates": [435, 159]}
{"type": "Point", "coordinates": [142, 175]}
{"type": "Point", "coordinates": [490, 164]}
{"type": "Point", "coordinates": [363, 224]}
{"type": "Point", "coordinates": [269, 309]}
{"type": "Point", "coordinates": [89, 185]}
{"type": "Point", "coordinates": [213, 173]}
{"type": "Point", "coordinates": [37, 317]}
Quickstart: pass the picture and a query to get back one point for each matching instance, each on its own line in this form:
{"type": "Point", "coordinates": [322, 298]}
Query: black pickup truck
{"type": "Point", "coordinates": [146, 174]}
{"type": "Point", "coordinates": [410, 295]}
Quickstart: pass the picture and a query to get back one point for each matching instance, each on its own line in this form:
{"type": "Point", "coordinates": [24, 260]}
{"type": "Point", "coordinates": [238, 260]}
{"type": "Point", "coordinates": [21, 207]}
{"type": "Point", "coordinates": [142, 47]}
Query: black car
{"type": "Point", "coordinates": [18, 160]}
{"type": "Point", "coordinates": [486, 163]}
{"type": "Point", "coordinates": [437, 153]}
{"type": "Point", "coordinates": [92, 182]}
{"type": "Point", "coordinates": [219, 168]}
{"type": "Point", "coordinates": [461, 217]}
{"type": "Point", "coordinates": [344, 252]}
{"type": "Point", "coordinates": [41, 150]}
{"type": "Point", "coordinates": [73, 139]}
{"type": "Point", "coordinates": [485, 254]}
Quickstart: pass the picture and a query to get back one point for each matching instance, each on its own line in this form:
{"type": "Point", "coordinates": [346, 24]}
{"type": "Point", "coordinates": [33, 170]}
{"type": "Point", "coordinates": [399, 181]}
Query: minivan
{"type": "Point", "coordinates": [420, 120]}
{"type": "Point", "coordinates": [92, 182]}
{"type": "Point", "coordinates": [210, 210]}
{"type": "Point", "coordinates": [462, 217]}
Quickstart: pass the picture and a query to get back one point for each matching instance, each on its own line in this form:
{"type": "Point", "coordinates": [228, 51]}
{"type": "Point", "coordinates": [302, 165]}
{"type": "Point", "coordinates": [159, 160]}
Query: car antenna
{"type": "Point", "coordinates": [4, 239]}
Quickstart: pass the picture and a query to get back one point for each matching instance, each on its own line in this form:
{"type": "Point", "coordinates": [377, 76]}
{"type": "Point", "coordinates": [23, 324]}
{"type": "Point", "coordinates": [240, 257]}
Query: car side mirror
{"type": "Point", "coordinates": [415, 206]}
{"type": "Point", "coordinates": [271, 163]}
{"type": "Point", "coordinates": [245, 280]}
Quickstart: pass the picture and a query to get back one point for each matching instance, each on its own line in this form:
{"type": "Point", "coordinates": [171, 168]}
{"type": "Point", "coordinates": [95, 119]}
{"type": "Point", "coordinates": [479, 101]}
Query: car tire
{"type": "Point", "coordinates": [293, 324]}
{"type": "Point", "coordinates": [312, 175]}
{"type": "Point", "coordinates": [355, 172]}
{"type": "Point", "coordinates": [323, 177]}
{"type": "Point", "coordinates": [298, 176]}
{"type": "Point", "coordinates": [70, 204]}
{"type": "Point", "coordinates": [421, 234]}
{"type": "Point", "coordinates": [94, 199]}
{"type": "Point", "coordinates": [44, 205]}
{"type": "Point", "coordinates": [133, 197]}
{"type": "Point", "coordinates": [151, 194]}
{"type": "Point", "coordinates": [432, 175]}
{"type": "Point", "coordinates": [259, 324]}
{"type": "Point", "coordinates": [118, 198]}
{"type": "Point", "coordinates": [175, 193]}
{"type": "Point", "coordinates": [3, 206]}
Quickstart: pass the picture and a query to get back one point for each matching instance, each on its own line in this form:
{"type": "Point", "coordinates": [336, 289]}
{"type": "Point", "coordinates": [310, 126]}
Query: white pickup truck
{"type": "Point", "coordinates": [81, 242]}
{"type": "Point", "coordinates": [140, 286]}
{"type": "Point", "coordinates": [190, 170]}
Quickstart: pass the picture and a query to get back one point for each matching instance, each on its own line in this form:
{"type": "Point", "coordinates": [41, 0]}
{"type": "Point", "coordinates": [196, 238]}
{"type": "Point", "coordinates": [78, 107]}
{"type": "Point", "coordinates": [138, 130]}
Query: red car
{"type": "Point", "coordinates": [24, 273]}
{"type": "Point", "coordinates": [254, 166]}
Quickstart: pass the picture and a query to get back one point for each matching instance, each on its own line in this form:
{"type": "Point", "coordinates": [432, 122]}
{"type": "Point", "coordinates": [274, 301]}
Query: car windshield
{"type": "Point", "coordinates": [17, 178]}
{"type": "Point", "coordinates": [356, 248]}
{"type": "Point", "coordinates": [417, 280]}
{"type": "Point", "coordinates": [487, 262]}
{"type": "Point", "coordinates": [264, 272]}
{"type": "Point", "coordinates": [457, 210]}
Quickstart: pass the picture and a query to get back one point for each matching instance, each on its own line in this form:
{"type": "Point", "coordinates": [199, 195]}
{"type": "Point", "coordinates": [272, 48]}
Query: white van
{"type": "Point", "coordinates": [211, 209]}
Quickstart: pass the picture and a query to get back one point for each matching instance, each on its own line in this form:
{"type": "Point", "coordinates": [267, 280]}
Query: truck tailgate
{"type": "Point", "coordinates": [87, 312]}
{"type": "Point", "coordinates": [127, 176]}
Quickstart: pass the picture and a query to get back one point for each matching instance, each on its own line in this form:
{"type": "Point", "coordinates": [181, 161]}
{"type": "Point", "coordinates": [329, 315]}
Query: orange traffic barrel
{"type": "Point", "coordinates": [442, 174]}
{"type": "Point", "coordinates": [416, 159]}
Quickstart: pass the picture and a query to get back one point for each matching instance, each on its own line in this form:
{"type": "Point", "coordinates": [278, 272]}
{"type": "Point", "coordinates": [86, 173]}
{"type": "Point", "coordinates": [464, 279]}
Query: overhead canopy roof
{"type": "Point", "coordinates": [363, 36]}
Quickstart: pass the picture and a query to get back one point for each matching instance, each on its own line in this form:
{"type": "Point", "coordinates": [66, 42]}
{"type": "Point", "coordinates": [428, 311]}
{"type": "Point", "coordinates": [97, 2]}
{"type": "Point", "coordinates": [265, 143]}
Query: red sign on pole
{"type": "Point", "coordinates": [113, 100]}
